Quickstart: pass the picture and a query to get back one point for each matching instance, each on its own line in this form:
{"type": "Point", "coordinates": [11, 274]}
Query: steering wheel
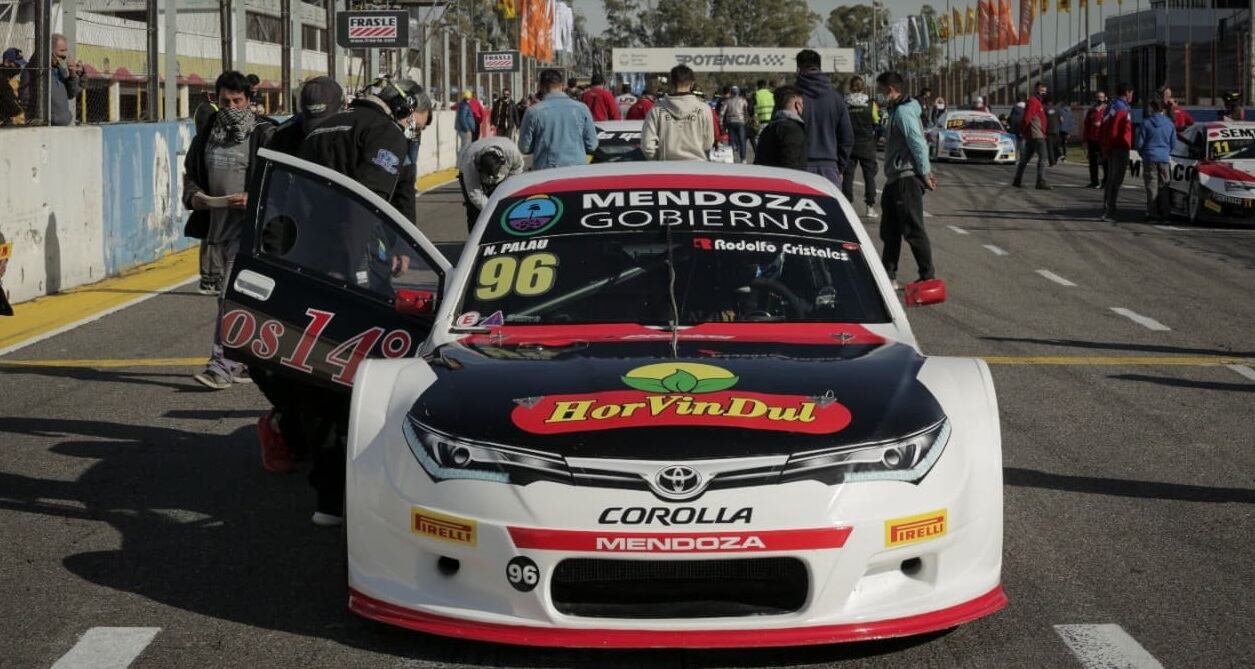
{"type": "Point", "coordinates": [796, 306]}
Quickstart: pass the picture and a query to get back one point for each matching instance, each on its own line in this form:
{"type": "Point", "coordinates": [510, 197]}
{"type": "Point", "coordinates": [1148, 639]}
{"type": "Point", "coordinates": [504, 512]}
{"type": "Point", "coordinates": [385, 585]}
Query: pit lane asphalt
{"type": "Point", "coordinates": [129, 496]}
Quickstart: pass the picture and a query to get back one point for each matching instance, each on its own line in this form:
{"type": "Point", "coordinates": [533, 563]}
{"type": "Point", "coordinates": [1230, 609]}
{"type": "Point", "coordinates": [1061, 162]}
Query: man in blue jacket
{"type": "Point", "coordinates": [557, 131]}
{"type": "Point", "coordinates": [829, 135]}
{"type": "Point", "coordinates": [907, 175]}
{"type": "Point", "coordinates": [1153, 142]}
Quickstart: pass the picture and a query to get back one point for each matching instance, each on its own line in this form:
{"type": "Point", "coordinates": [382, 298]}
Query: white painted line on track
{"type": "Point", "coordinates": [927, 215]}
{"type": "Point", "coordinates": [1055, 277]}
{"type": "Point", "coordinates": [96, 316]}
{"type": "Point", "coordinates": [1144, 321]}
{"type": "Point", "coordinates": [997, 250]}
{"type": "Point", "coordinates": [957, 230]}
{"type": "Point", "coordinates": [1170, 228]}
{"type": "Point", "coordinates": [108, 648]}
{"type": "Point", "coordinates": [1244, 371]}
{"type": "Point", "coordinates": [1106, 647]}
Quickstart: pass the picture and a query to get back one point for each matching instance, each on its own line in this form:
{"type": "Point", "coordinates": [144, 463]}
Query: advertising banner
{"type": "Point", "coordinates": [726, 59]}
{"type": "Point", "coordinates": [373, 30]}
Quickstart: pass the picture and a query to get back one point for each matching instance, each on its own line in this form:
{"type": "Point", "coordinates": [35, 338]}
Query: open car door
{"type": "Point", "coordinates": [328, 273]}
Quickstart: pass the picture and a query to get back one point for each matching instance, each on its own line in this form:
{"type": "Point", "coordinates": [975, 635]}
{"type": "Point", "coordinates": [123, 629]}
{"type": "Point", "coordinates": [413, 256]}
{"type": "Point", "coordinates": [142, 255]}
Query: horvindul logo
{"type": "Point", "coordinates": [681, 394]}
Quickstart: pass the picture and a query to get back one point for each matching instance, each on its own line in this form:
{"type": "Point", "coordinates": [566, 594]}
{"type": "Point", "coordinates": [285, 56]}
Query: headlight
{"type": "Point", "coordinates": [908, 459]}
{"type": "Point", "coordinates": [950, 137]}
{"type": "Point", "coordinates": [1235, 185]}
{"type": "Point", "coordinates": [444, 457]}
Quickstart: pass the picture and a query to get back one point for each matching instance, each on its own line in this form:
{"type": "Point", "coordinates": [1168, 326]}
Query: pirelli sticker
{"type": "Point", "coordinates": [440, 526]}
{"type": "Point", "coordinates": [914, 529]}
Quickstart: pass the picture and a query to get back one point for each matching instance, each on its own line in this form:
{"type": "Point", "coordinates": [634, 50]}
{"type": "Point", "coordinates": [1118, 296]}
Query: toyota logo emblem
{"type": "Point", "coordinates": [678, 482]}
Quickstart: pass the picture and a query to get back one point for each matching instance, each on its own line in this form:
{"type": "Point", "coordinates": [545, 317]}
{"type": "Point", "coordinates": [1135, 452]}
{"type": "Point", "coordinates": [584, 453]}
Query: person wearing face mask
{"type": "Point", "coordinates": [783, 142]}
{"type": "Point", "coordinates": [220, 163]}
{"type": "Point", "coordinates": [366, 142]}
{"type": "Point", "coordinates": [907, 175]}
{"type": "Point", "coordinates": [1034, 135]}
{"type": "Point", "coordinates": [1091, 136]}
{"type": "Point", "coordinates": [482, 168]}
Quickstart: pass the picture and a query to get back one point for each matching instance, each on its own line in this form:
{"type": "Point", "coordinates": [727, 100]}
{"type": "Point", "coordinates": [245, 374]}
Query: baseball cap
{"type": "Point", "coordinates": [14, 54]}
{"type": "Point", "coordinates": [321, 96]}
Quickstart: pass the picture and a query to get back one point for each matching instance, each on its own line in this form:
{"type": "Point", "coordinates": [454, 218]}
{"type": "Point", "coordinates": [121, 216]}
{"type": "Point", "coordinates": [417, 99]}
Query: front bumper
{"type": "Point", "coordinates": [977, 154]}
{"type": "Point", "coordinates": [526, 635]}
{"type": "Point", "coordinates": [857, 585]}
{"type": "Point", "coordinates": [1225, 208]}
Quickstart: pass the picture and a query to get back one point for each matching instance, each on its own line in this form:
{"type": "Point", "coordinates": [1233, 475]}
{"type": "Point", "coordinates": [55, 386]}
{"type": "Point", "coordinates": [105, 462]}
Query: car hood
{"type": "Point", "coordinates": [619, 397]}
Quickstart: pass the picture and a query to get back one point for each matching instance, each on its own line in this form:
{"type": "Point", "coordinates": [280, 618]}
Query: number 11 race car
{"type": "Point", "coordinates": [673, 405]}
{"type": "Point", "coordinates": [1212, 174]}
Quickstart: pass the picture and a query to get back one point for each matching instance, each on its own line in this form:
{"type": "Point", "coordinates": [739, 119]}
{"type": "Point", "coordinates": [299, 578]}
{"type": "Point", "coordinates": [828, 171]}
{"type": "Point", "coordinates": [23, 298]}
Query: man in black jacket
{"type": "Point", "coordinates": [367, 142]}
{"type": "Point", "coordinates": [783, 142]}
{"type": "Point", "coordinates": [864, 117]}
{"type": "Point", "coordinates": [219, 165]}
{"type": "Point", "coordinates": [829, 137]}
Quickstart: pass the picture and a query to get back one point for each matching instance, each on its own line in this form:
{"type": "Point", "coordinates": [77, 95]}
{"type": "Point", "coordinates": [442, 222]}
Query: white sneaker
{"type": "Point", "coordinates": [895, 285]}
{"type": "Point", "coordinates": [327, 520]}
{"type": "Point", "coordinates": [871, 211]}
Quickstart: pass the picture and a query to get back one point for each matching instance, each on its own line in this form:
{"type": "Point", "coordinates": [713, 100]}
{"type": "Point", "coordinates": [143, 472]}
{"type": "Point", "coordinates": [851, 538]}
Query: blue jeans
{"type": "Point", "coordinates": [737, 133]}
{"type": "Point", "coordinates": [826, 170]}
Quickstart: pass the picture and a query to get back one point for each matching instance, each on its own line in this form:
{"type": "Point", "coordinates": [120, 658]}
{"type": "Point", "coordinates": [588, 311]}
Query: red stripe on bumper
{"type": "Point", "coordinates": [524, 635]}
{"type": "Point", "coordinates": [679, 542]}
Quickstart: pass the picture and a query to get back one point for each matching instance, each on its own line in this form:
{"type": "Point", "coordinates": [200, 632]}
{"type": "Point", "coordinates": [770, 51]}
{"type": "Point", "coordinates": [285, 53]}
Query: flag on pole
{"type": "Point", "coordinates": [984, 23]}
{"type": "Point", "coordinates": [1045, 4]}
{"type": "Point", "coordinates": [1084, 4]}
{"type": "Point", "coordinates": [1028, 12]}
{"type": "Point", "coordinates": [1062, 6]}
{"type": "Point", "coordinates": [970, 25]}
{"type": "Point", "coordinates": [956, 21]}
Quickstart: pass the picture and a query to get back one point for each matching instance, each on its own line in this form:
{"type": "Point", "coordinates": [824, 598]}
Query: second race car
{"type": "Point", "coordinates": [618, 141]}
{"type": "Point", "coordinates": [1212, 172]}
{"type": "Point", "coordinates": [970, 136]}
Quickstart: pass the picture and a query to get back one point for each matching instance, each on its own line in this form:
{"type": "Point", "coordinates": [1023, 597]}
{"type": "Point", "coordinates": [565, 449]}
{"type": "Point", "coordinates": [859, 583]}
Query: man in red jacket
{"type": "Point", "coordinates": [642, 107]}
{"type": "Point", "coordinates": [1180, 118]}
{"type": "Point", "coordinates": [1117, 140]}
{"type": "Point", "coordinates": [600, 101]}
{"type": "Point", "coordinates": [1034, 134]}
{"type": "Point", "coordinates": [1091, 132]}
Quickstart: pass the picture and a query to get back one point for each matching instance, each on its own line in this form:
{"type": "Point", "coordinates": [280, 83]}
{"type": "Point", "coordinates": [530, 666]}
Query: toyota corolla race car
{"type": "Point", "coordinates": [1212, 172]}
{"type": "Point", "coordinates": [654, 404]}
{"type": "Point", "coordinates": [970, 136]}
{"type": "Point", "coordinates": [669, 405]}
{"type": "Point", "coordinates": [618, 141]}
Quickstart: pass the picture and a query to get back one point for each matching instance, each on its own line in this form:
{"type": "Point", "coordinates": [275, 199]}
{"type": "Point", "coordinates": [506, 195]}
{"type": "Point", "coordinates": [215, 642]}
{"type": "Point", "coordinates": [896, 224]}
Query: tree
{"type": "Point", "coordinates": [662, 23]}
{"type": "Point", "coordinates": [853, 24]}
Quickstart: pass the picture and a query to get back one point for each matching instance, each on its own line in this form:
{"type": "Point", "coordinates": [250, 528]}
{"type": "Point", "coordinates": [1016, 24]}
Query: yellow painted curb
{"type": "Point", "coordinates": [436, 179]}
{"type": "Point", "coordinates": [49, 314]}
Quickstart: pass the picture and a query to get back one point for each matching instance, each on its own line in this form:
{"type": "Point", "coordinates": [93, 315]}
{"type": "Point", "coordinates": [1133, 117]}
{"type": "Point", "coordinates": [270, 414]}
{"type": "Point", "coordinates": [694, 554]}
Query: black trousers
{"type": "Point", "coordinates": [314, 423]}
{"type": "Point", "coordinates": [902, 207]}
{"type": "Point", "coordinates": [868, 163]}
{"type": "Point", "coordinates": [1093, 151]}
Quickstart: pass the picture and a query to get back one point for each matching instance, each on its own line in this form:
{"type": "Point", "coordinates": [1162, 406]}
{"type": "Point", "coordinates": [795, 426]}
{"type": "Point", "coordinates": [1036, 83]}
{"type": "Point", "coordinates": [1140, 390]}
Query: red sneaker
{"type": "Point", "coordinates": [276, 457]}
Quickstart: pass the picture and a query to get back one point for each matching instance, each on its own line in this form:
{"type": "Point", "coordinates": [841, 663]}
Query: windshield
{"type": "Point", "coordinates": [1232, 149]}
{"type": "Point", "coordinates": [972, 123]}
{"type": "Point", "coordinates": [586, 260]}
{"type": "Point", "coordinates": [618, 146]}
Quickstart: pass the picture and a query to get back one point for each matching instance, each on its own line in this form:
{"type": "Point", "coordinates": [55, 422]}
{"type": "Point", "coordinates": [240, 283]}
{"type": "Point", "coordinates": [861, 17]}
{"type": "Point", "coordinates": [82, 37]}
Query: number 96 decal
{"type": "Point", "coordinates": [522, 573]}
{"type": "Point", "coordinates": [529, 276]}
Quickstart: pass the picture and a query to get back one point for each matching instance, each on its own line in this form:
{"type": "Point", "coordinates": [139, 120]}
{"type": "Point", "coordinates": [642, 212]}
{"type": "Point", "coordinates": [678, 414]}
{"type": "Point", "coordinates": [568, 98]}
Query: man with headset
{"type": "Point", "coordinates": [366, 142]}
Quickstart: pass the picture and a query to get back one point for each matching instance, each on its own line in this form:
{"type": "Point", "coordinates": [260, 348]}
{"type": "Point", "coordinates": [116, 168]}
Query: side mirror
{"type": "Point", "coordinates": [920, 293]}
{"type": "Point", "coordinates": [410, 302]}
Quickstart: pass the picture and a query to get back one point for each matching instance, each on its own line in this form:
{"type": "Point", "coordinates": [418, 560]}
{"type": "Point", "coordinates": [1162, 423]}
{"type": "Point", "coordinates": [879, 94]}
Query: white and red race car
{"type": "Point", "coordinates": [672, 405]}
{"type": "Point", "coordinates": [1213, 172]}
{"type": "Point", "coordinates": [970, 136]}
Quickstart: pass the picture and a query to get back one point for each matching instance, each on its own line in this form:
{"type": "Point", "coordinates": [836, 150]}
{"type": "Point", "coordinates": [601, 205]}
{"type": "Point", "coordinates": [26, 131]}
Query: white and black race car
{"type": "Point", "coordinates": [670, 405]}
{"type": "Point", "coordinates": [970, 136]}
{"type": "Point", "coordinates": [618, 142]}
{"type": "Point", "coordinates": [1212, 172]}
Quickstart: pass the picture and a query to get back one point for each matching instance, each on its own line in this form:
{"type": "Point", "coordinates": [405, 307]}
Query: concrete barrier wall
{"type": "Point", "coordinates": [50, 189]}
{"type": "Point", "coordinates": [82, 204]}
{"type": "Point", "coordinates": [142, 172]}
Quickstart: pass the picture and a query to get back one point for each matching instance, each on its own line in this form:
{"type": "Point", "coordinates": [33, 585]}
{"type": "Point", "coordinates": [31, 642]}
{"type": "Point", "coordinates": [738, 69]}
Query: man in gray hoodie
{"type": "Point", "coordinates": [680, 126]}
